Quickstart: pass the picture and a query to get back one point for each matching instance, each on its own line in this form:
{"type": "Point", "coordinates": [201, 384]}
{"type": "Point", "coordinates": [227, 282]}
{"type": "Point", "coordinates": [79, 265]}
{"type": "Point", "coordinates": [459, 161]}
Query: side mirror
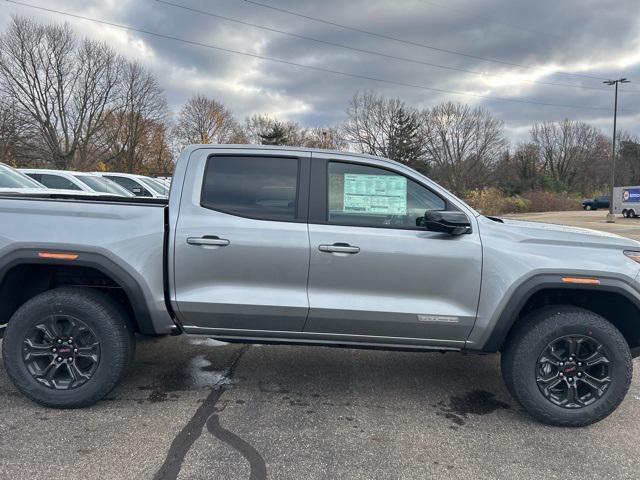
{"type": "Point", "coordinates": [453, 222]}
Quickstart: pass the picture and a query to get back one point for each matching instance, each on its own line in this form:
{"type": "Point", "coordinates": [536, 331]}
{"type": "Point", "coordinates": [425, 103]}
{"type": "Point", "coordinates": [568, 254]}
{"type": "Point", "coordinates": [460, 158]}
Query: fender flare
{"type": "Point", "coordinates": [106, 266]}
{"type": "Point", "coordinates": [524, 291]}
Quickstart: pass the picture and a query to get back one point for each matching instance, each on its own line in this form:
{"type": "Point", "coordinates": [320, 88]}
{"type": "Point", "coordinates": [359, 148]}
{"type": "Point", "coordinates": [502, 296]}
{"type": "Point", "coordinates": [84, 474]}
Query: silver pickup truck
{"type": "Point", "coordinates": [291, 245]}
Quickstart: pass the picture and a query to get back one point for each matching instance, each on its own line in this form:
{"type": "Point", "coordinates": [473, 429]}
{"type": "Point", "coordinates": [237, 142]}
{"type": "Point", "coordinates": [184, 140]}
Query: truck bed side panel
{"type": "Point", "coordinates": [129, 236]}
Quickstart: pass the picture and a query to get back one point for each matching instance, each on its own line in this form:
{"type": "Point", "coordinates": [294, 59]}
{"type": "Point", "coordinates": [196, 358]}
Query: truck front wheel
{"type": "Point", "coordinates": [68, 347]}
{"type": "Point", "coordinates": [567, 366]}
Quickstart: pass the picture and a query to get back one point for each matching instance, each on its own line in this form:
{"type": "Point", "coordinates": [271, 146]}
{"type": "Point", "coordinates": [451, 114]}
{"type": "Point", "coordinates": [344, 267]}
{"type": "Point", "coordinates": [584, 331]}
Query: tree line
{"type": "Point", "coordinates": [71, 103]}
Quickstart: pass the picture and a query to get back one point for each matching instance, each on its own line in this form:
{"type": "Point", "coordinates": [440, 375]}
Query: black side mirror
{"type": "Point", "coordinates": [453, 222]}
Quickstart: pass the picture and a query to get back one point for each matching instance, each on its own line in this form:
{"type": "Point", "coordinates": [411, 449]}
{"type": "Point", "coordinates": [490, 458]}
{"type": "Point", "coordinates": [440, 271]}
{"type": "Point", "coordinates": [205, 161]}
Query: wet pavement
{"type": "Point", "coordinates": [191, 408]}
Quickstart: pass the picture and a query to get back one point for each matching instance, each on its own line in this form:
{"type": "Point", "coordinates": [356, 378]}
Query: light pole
{"type": "Point", "coordinates": [610, 216]}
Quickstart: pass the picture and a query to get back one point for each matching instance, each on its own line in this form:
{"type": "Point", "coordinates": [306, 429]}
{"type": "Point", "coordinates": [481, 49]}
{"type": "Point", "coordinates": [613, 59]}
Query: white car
{"type": "Point", "coordinates": [79, 181]}
{"type": "Point", "coordinates": [139, 185]}
{"type": "Point", "coordinates": [13, 181]}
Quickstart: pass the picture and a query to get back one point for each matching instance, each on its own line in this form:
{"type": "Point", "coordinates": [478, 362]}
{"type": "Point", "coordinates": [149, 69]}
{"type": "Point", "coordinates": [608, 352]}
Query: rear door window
{"type": "Point", "coordinates": [57, 182]}
{"type": "Point", "coordinates": [263, 188]}
{"type": "Point", "coordinates": [134, 187]}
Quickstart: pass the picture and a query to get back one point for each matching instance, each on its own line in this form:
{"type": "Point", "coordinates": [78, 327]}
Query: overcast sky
{"type": "Point", "coordinates": [591, 38]}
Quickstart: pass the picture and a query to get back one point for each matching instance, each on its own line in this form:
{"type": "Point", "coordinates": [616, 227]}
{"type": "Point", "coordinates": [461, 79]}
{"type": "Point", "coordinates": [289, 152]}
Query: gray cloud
{"type": "Point", "coordinates": [590, 37]}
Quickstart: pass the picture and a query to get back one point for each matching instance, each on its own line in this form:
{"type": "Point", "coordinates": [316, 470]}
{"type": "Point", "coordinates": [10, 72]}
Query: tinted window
{"type": "Point", "coordinates": [131, 185]}
{"type": "Point", "coordinates": [368, 196]}
{"type": "Point", "coordinates": [10, 178]}
{"type": "Point", "coordinates": [103, 185]}
{"type": "Point", "coordinates": [56, 181]}
{"type": "Point", "coordinates": [257, 187]}
{"type": "Point", "coordinates": [152, 185]}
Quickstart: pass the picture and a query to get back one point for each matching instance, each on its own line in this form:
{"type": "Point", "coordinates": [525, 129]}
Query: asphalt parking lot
{"type": "Point", "coordinates": [192, 408]}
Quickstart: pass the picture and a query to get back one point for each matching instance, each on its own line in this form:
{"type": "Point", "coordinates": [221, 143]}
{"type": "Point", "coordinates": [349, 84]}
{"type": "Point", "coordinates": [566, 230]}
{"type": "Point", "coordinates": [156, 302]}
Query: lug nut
{"type": "Point", "coordinates": [54, 350]}
{"type": "Point", "coordinates": [59, 340]}
{"type": "Point", "coordinates": [75, 350]}
{"type": "Point", "coordinates": [59, 359]}
{"type": "Point", "coordinates": [562, 364]}
{"type": "Point", "coordinates": [70, 359]}
{"type": "Point", "coordinates": [561, 374]}
{"type": "Point", "coordinates": [579, 364]}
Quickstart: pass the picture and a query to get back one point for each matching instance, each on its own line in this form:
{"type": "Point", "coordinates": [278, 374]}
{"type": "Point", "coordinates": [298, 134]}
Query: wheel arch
{"type": "Point", "coordinates": [24, 274]}
{"type": "Point", "coordinates": [613, 299]}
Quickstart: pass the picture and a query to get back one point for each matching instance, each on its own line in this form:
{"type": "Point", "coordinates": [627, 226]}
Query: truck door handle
{"type": "Point", "coordinates": [208, 241]}
{"type": "Point", "coordinates": [339, 248]}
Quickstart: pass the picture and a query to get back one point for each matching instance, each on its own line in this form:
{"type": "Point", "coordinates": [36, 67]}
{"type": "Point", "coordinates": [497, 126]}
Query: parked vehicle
{"type": "Point", "coordinates": [626, 201]}
{"type": "Point", "coordinates": [11, 178]}
{"type": "Point", "coordinates": [15, 182]}
{"type": "Point", "coordinates": [80, 181]}
{"type": "Point", "coordinates": [596, 203]}
{"type": "Point", "coordinates": [139, 185]}
{"type": "Point", "coordinates": [299, 246]}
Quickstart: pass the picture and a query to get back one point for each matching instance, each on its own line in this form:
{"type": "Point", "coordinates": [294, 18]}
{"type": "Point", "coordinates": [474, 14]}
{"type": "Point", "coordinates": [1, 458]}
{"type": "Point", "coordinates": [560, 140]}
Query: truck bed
{"type": "Point", "coordinates": [128, 232]}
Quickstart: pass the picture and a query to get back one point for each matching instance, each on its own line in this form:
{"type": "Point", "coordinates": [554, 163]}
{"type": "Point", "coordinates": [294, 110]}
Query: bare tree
{"type": "Point", "coordinates": [14, 130]}
{"type": "Point", "coordinates": [62, 85]}
{"type": "Point", "coordinates": [141, 107]}
{"type": "Point", "coordinates": [462, 143]}
{"type": "Point", "coordinates": [519, 171]}
{"type": "Point", "coordinates": [324, 137]}
{"type": "Point", "coordinates": [205, 120]}
{"type": "Point", "coordinates": [628, 166]}
{"type": "Point", "coordinates": [385, 127]}
{"type": "Point", "coordinates": [568, 147]}
{"type": "Point", "coordinates": [370, 123]}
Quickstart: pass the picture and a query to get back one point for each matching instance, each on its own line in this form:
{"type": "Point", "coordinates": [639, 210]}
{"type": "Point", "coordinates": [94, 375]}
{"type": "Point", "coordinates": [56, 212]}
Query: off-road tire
{"type": "Point", "coordinates": [110, 325]}
{"type": "Point", "coordinates": [531, 337]}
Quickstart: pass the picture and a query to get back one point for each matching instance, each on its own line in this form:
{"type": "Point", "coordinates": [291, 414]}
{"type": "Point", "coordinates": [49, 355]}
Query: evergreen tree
{"type": "Point", "coordinates": [276, 135]}
{"type": "Point", "coordinates": [405, 144]}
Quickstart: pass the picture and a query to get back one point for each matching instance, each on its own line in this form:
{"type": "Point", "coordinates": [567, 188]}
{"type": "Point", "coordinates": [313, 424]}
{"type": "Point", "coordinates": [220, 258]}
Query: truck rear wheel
{"type": "Point", "coordinates": [68, 347]}
{"type": "Point", "coordinates": [567, 366]}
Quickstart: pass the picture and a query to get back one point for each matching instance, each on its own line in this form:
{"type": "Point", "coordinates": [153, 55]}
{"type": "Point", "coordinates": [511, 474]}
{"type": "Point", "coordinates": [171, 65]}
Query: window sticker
{"type": "Point", "coordinates": [375, 194]}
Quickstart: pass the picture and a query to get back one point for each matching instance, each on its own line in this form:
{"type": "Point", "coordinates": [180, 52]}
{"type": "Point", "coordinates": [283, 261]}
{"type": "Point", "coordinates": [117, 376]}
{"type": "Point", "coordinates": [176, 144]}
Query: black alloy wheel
{"type": "Point", "coordinates": [61, 352]}
{"type": "Point", "coordinates": [573, 371]}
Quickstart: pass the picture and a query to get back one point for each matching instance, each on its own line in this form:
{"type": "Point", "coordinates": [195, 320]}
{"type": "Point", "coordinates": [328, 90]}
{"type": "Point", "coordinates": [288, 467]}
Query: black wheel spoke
{"type": "Point", "coordinates": [36, 350]}
{"type": "Point", "coordinates": [61, 352]}
{"type": "Point", "coordinates": [597, 385]}
{"type": "Point", "coordinates": [573, 371]}
{"type": "Point", "coordinates": [76, 374]}
{"type": "Point", "coordinates": [596, 358]}
{"type": "Point", "coordinates": [50, 371]}
{"type": "Point", "coordinates": [550, 382]}
{"type": "Point", "coordinates": [572, 394]}
{"type": "Point", "coordinates": [553, 360]}
{"type": "Point", "coordinates": [46, 332]}
{"type": "Point", "coordinates": [90, 351]}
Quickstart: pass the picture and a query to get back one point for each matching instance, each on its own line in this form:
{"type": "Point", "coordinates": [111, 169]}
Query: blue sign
{"type": "Point", "coordinates": [631, 195]}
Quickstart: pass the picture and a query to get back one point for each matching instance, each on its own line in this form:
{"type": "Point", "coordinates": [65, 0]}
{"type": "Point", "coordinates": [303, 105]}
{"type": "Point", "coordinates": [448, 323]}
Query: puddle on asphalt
{"type": "Point", "coordinates": [476, 402]}
{"type": "Point", "coordinates": [197, 373]}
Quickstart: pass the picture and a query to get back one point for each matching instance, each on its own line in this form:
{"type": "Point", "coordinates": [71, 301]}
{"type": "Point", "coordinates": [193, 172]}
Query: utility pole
{"type": "Point", "coordinates": [610, 216]}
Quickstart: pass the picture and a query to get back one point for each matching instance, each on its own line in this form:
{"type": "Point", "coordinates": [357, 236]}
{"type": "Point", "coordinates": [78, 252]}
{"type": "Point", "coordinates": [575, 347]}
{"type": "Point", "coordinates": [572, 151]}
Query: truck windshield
{"type": "Point", "coordinates": [104, 185]}
{"type": "Point", "coordinates": [10, 178]}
